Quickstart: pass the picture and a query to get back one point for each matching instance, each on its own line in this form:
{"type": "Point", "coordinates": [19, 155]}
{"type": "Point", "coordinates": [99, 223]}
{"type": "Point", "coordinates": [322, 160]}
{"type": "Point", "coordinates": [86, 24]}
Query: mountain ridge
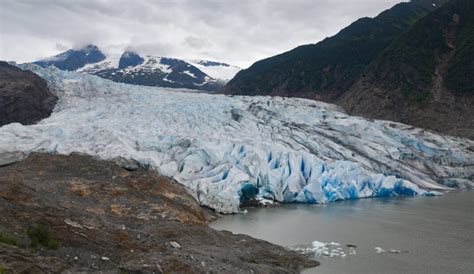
{"type": "Point", "coordinates": [148, 70]}
{"type": "Point", "coordinates": [324, 70]}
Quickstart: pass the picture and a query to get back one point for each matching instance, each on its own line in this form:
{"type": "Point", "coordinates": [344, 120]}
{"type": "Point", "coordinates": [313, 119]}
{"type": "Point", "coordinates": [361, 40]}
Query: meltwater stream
{"type": "Point", "coordinates": [425, 234]}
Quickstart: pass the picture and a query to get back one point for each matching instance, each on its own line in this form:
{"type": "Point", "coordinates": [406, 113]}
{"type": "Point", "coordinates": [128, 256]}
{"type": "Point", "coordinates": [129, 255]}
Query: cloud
{"type": "Point", "coordinates": [196, 42]}
{"type": "Point", "coordinates": [237, 32]}
{"type": "Point", "coordinates": [61, 47]}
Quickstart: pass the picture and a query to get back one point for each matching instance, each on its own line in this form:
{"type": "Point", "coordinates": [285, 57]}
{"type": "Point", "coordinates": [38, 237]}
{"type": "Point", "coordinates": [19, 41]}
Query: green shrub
{"type": "Point", "coordinates": [7, 240]}
{"type": "Point", "coordinates": [40, 236]}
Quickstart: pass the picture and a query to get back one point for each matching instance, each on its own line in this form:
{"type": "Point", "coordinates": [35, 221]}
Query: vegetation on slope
{"type": "Point", "coordinates": [412, 63]}
{"type": "Point", "coordinates": [326, 69]}
{"type": "Point", "coordinates": [425, 77]}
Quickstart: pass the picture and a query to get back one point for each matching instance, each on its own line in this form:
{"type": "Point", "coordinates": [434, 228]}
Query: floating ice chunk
{"type": "Point", "coordinates": [265, 202]}
{"type": "Point", "coordinates": [379, 250]}
{"type": "Point", "coordinates": [317, 244]}
{"type": "Point", "coordinates": [317, 248]}
{"type": "Point", "coordinates": [352, 251]}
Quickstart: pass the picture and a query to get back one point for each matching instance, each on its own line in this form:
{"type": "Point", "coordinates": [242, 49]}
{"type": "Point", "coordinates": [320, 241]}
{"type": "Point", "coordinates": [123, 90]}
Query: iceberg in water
{"type": "Point", "coordinates": [229, 149]}
{"type": "Point", "coordinates": [320, 249]}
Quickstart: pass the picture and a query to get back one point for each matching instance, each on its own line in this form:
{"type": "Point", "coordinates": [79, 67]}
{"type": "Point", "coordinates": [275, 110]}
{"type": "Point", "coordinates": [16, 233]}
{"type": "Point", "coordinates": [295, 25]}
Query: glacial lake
{"type": "Point", "coordinates": [424, 234]}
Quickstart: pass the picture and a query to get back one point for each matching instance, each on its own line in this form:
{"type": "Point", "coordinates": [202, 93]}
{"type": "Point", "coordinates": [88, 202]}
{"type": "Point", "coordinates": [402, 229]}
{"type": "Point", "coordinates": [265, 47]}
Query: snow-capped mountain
{"type": "Point", "coordinates": [228, 150]}
{"type": "Point", "coordinates": [131, 68]}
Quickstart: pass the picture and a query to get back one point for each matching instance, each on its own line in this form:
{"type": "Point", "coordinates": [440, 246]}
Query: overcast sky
{"type": "Point", "coordinates": [238, 32]}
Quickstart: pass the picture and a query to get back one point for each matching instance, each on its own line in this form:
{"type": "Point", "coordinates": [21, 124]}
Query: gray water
{"type": "Point", "coordinates": [435, 233]}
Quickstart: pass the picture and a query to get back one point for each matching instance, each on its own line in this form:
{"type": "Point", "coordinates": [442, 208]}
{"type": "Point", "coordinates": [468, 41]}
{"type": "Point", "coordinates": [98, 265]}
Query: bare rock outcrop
{"type": "Point", "coordinates": [24, 96]}
{"type": "Point", "coordinates": [69, 214]}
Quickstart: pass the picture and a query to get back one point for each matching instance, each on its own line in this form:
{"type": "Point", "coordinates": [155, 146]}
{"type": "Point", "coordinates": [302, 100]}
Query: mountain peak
{"type": "Point", "coordinates": [130, 59]}
{"type": "Point", "coordinates": [90, 47]}
{"type": "Point", "coordinates": [74, 59]}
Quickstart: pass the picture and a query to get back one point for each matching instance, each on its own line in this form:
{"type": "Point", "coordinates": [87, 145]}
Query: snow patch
{"type": "Point", "coordinates": [221, 72]}
{"type": "Point", "coordinates": [187, 72]}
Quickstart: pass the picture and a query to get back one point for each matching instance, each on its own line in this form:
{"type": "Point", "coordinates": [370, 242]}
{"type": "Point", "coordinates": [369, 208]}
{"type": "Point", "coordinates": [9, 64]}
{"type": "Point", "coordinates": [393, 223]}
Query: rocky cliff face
{"type": "Point", "coordinates": [24, 97]}
{"type": "Point", "coordinates": [78, 214]}
{"type": "Point", "coordinates": [425, 77]}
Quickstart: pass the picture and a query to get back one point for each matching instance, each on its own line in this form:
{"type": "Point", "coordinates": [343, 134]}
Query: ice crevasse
{"type": "Point", "coordinates": [229, 149]}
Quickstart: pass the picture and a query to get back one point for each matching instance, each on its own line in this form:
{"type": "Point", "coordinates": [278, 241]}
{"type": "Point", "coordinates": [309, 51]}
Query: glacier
{"type": "Point", "coordinates": [230, 149]}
